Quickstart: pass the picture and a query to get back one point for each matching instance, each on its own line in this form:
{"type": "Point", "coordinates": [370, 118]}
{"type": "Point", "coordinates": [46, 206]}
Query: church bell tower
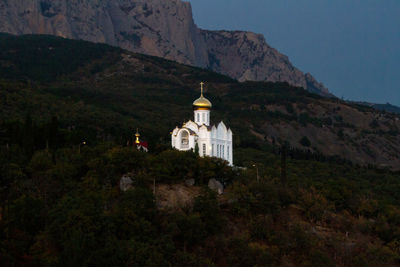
{"type": "Point", "coordinates": [202, 107]}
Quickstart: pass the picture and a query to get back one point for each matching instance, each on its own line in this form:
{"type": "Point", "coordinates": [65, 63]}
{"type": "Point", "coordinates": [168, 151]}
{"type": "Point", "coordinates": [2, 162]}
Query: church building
{"type": "Point", "coordinates": [212, 141]}
{"type": "Point", "coordinates": [140, 145]}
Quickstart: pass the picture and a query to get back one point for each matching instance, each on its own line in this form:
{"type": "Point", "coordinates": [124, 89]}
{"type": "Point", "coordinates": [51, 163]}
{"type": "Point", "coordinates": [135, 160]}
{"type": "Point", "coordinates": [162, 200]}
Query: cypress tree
{"type": "Point", "coordinates": [283, 163]}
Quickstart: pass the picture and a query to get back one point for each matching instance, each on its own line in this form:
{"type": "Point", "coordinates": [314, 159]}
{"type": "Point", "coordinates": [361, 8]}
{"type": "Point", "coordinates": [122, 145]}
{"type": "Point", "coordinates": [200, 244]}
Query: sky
{"type": "Point", "coordinates": [352, 46]}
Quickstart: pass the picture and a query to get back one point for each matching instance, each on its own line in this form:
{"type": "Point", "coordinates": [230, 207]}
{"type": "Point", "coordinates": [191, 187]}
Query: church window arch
{"type": "Point", "coordinates": [204, 149]}
{"type": "Point", "coordinates": [184, 139]}
{"type": "Point", "coordinates": [198, 117]}
{"type": "Point", "coordinates": [203, 117]}
{"type": "Point", "coordinates": [223, 151]}
{"type": "Point", "coordinates": [212, 150]}
{"type": "Point", "coordinates": [217, 150]}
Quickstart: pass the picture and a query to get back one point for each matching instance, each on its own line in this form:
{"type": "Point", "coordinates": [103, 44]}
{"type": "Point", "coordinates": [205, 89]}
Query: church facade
{"type": "Point", "coordinates": [212, 140]}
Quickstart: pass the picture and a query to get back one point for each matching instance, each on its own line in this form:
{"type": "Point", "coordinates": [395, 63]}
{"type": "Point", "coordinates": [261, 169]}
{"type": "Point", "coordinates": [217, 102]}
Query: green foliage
{"type": "Point", "coordinates": [68, 211]}
{"type": "Point", "coordinates": [60, 200]}
{"type": "Point", "coordinates": [172, 166]}
{"type": "Point", "coordinates": [47, 57]}
{"type": "Point", "coordinates": [207, 207]}
{"type": "Point", "coordinates": [304, 141]}
{"type": "Point", "coordinates": [27, 214]}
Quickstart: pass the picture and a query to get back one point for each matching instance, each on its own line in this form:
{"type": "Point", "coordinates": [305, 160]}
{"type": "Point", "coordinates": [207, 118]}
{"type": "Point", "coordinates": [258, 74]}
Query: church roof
{"type": "Point", "coordinates": [190, 131]}
{"type": "Point", "coordinates": [143, 144]}
{"type": "Point", "coordinates": [209, 127]}
{"type": "Point", "coordinates": [202, 102]}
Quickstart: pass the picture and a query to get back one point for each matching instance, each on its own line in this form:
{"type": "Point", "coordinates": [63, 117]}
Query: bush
{"type": "Point", "coordinates": [207, 206]}
{"type": "Point", "coordinates": [304, 141]}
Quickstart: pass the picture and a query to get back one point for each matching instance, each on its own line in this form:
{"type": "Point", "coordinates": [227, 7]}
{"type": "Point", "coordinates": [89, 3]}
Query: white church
{"type": "Point", "coordinates": [212, 141]}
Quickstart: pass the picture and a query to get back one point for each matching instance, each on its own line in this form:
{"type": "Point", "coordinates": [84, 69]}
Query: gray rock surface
{"type": "Point", "coordinates": [163, 28]}
{"type": "Point", "coordinates": [216, 186]}
{"type": "Point", "coordinates": [190, 182]}
{"type": "Point", "coordinates": [126, 182]}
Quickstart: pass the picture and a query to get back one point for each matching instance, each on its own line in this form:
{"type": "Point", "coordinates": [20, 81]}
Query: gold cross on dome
{"type": "Point", "coordinates": [202, 84]}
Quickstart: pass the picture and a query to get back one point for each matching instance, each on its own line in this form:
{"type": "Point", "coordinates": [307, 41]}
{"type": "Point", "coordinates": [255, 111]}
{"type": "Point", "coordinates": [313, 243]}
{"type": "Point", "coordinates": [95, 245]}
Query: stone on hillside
{"type": "Point", "coordinates": [126, 182]}
{"type": "Point", "coordinates": [190, 182]}
{"type": "Point", "coordinates": [216, 186]}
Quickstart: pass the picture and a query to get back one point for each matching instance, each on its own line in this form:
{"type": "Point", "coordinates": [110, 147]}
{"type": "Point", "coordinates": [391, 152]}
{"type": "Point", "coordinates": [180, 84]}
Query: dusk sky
{"type": "Point", "coordinates": [353, 47]}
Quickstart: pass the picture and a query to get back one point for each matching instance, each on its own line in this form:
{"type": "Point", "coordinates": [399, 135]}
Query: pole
{"type": "Point", "coordinates": [154, 190]}
{"type": "Point", "coordinates": [257, 177]}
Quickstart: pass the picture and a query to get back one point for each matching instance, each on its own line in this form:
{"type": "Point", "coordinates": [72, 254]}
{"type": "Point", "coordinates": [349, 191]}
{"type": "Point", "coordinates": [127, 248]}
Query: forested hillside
{"type": "Point", "coordinates": [310, 192]}
{"type": "Point", "coordinates": [106, 93]}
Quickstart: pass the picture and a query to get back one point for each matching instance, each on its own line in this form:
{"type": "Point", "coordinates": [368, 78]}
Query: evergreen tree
{"type": "Point", "coordinates": [283, 163]}
{"type": "Point", "coordinates": [28, 142]}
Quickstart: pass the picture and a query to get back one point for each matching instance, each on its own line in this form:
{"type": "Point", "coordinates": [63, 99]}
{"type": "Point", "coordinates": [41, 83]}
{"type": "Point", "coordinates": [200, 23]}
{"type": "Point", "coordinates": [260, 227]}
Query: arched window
{"type": "Point", "coordinates": [204, 149]}
{"type": "Point", "coordinates": [217, 150]}
{"type": "Point", "coordinates": [184, 139]}
{"type": "Point", "coordinates": [204, 117]}
{"type": "Point", "coordinates": [212, 150]}
{"type": "Point", "coordinates": [227, 153]}
{"type": "Point", "coordinates": [223, 152]}
{"type": "Point", "coordinates": [198, 117]}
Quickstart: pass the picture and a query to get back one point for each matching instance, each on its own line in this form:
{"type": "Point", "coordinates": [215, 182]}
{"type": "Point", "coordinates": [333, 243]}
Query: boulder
{"type": "Point", "coordinates": [216, 186]}
{"type": "Point", "coordinates": [190, 182]}
{"type": "Point", "coordinates": [126, 182]}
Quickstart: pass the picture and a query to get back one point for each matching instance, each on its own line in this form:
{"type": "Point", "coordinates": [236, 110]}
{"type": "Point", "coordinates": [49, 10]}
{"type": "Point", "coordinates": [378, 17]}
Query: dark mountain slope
{"type": "Point", "coordinates": [387, 107]}
{"type": "Point", "coordinates": [109, 92]}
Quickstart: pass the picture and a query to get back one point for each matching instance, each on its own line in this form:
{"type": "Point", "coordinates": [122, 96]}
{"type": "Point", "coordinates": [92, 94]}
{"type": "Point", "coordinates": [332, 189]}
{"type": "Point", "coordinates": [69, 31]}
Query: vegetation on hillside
{"type": "Point", "coordinates": [64, 129]}
{"type": "Point", "coordinates": [107, 93]}
{"type": "Point", "coordinates": [63, 206]}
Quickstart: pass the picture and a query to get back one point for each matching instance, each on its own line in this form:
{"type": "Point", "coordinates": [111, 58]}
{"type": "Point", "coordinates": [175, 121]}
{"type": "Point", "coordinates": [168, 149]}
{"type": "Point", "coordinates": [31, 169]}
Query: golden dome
{"type": "Point", "coordinates": [202, 102]}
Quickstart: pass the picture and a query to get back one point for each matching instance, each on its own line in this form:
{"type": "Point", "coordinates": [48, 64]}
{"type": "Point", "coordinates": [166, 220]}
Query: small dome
{"type": "Point", "coordinates": [202, 103]}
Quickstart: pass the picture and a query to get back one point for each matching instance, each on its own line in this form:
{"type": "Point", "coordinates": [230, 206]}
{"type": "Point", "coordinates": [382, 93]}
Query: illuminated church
{"type": "Point", "coordinates": [212, 141]}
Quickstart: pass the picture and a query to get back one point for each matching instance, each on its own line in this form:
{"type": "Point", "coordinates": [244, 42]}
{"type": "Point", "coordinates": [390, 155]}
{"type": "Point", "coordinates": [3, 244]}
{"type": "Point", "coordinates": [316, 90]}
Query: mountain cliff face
{"type": "Point", "coordinates": [163, 28]}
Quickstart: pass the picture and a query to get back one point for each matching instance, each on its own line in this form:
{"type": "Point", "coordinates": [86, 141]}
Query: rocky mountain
{"type": "Point", "coordinates": [163, 28]}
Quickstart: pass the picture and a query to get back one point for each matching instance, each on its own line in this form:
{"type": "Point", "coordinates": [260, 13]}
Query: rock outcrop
{"type": "Point", "coordinates": [126, 182]}
{"type": "Point", "coordinates": [216, 186]}
{"type": "Point", "coordinates": [163, 28]}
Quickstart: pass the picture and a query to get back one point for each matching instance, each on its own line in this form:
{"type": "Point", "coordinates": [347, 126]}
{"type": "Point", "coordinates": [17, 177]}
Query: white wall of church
{"type": "Point", "coordinates": [202, 117]}
{"type": "Point", "coordinates": [192, 126]}
{"type": "Point", "coordinates": [183, 140]}
{"type": "Point", "coordinates": [215, 141]}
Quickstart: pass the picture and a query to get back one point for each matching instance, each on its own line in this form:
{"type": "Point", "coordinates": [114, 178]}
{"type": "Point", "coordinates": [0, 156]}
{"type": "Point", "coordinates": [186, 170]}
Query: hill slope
{"type": "Point", "coordinates": [159, 28]}
{"type": "Point", "coordinates": [109, 92]}
{"type": "Point", "coordinates": [61, 201]}
{"type": "Point", "coordinates": [387, 107]}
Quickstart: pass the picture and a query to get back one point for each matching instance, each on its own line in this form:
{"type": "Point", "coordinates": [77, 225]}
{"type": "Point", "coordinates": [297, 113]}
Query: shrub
{"type": "Point", "coordinates": [304, 141]}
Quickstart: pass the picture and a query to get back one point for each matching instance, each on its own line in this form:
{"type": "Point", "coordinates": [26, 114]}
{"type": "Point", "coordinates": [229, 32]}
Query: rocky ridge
{"type": "Point", "coordinates": [163, 28]}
